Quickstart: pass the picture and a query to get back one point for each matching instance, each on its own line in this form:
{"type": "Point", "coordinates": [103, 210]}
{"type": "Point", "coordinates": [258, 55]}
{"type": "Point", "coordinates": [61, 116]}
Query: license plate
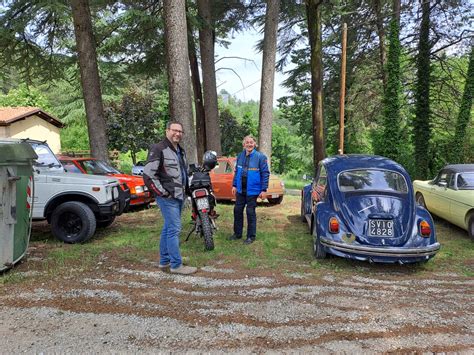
{"type": "Point", "coordinates": [202, 203]}
{"type": "Point", "coordinates": [380, 228]}
{"type": "Point", "coordinates": [274, 196]}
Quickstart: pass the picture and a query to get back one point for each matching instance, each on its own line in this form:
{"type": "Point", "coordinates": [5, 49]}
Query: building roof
{"type": "Point", "coordinates": [9, 115]}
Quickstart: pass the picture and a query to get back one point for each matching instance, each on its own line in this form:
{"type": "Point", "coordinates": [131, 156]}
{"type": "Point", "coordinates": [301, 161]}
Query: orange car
{"type": "Point", "coordinates": [139, 194]}
{"type": "Point", "coordinates": [223, 174]}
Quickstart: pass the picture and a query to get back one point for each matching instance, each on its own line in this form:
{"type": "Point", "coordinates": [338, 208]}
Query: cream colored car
{"type": "Point", "coordinates": [450, 195]}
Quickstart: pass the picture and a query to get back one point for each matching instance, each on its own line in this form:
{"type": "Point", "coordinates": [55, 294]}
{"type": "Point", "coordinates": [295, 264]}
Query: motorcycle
{"type": "Point", "coordinates": [203, 202]}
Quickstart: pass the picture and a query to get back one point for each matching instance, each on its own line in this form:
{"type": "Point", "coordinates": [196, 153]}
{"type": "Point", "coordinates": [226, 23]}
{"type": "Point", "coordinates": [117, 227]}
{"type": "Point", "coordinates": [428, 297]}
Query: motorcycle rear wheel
{"type": "Point", "coordinates": [206, 230]}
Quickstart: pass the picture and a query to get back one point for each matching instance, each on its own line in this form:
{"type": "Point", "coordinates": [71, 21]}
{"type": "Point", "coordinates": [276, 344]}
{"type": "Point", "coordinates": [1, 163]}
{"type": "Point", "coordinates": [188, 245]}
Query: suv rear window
{"type": "Point", "coordinates": [372, 179]}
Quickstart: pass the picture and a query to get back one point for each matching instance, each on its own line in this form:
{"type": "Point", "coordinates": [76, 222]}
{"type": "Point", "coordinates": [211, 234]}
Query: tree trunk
{"type": "Point", "coordinates": [313, 12]}
{"type": "Point", "coordinates": [178, 72]}
{"type": "Point", "coordinates": [198, 101]}
{"type": "Point", "coordinates": [268, 78]}
{"type": "Point", "coordinates": [389, 142]}
{"type": "Point", "coordinates": [421, 122]}
{"type": "Point", "coordinates": [90, 81]}
{"type": "Point", "coordinates": [206, 41]}
{"type": "Point", "coordinates": [459, 153]}
{"type": "Point", "coordinates": [381, 34]}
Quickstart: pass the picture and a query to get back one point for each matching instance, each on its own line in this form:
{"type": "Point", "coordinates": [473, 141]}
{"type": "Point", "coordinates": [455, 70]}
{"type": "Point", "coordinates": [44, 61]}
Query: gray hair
{"type": "Point", "coordinates": [252, 138]}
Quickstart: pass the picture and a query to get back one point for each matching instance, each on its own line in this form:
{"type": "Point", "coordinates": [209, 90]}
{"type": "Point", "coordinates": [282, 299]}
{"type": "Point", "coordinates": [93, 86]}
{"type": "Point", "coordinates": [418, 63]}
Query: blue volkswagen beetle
{"type": "Point", "coordinates": [363, 207]}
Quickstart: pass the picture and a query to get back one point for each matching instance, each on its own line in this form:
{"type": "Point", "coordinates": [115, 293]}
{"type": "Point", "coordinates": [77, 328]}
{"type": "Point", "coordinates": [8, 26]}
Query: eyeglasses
{"type": "Point", "coordinates": [176, 131]}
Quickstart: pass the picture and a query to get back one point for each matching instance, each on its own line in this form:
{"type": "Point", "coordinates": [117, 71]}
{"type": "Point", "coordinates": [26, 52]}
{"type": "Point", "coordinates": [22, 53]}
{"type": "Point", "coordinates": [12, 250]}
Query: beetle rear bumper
{"type": "Point", "coordinates": [391, 252]}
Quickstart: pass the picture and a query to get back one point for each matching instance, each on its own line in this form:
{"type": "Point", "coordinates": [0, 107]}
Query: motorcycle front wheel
{"type": "Point", "coordinates": [206, 230]}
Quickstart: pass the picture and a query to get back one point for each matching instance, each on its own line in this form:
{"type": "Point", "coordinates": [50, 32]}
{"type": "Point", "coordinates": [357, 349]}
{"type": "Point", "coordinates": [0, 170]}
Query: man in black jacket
{"type": "Point", "coordinates": [165, 173]}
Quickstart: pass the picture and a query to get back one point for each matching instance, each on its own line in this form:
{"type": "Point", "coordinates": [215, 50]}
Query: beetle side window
{"type": "Point", "coordinates": [319, 188]}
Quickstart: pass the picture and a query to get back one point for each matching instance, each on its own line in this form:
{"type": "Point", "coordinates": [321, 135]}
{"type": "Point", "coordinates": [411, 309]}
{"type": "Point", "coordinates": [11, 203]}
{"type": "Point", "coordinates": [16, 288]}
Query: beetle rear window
{"type": "Point", "coordinates": [372, 179]}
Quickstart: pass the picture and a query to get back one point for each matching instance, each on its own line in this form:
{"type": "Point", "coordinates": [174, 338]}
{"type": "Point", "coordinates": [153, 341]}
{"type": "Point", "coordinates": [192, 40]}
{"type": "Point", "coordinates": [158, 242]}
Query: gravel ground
{"type": "Point", "coordinates": [127, 308]}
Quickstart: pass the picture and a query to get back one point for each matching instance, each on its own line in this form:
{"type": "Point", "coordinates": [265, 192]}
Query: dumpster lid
{"type": "Point", "coordinates": [16, 152]}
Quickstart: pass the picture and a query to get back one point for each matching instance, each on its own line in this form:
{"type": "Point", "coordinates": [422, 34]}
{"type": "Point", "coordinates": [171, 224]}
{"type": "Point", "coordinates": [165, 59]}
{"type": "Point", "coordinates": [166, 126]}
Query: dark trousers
{"type": "Point", "coordinates": [240, 202]}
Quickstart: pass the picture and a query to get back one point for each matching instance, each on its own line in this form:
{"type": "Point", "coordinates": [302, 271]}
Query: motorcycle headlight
{"type": "Point", "coordinates": [139, 189]}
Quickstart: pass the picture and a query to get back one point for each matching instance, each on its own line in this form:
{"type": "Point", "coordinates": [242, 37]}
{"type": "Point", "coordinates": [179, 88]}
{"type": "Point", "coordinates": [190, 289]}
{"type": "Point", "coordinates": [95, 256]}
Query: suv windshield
{"type": "Point", "coordinates": [46, 157]}
{"type": "Point", "coordinates": [98, 167]}
{"type": "Point", "coordinates": [372, 179]}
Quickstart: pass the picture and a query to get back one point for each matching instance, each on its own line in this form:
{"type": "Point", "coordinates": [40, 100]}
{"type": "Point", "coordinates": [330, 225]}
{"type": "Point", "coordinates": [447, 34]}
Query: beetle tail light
{"type": "Point", "coordinates": [425, 229]}
{"type": "Point", "coordinates": [333, 225]}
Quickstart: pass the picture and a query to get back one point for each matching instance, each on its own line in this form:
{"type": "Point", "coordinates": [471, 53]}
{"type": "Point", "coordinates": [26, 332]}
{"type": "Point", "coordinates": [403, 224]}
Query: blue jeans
{"type": "Point", "coordinates": [169, 240]}
{"type": "Point", "coordinates": [240, 202]}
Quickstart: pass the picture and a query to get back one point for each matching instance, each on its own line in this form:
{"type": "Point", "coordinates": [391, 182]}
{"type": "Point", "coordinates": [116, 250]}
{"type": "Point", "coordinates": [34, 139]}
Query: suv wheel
{"type": "Point", "coordinates": [73, 222]}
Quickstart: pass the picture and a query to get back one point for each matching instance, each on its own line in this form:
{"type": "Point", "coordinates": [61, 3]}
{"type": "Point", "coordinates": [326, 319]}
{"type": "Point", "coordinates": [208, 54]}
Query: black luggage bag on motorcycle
{"type": "Point", "coordinates": [200, 180]}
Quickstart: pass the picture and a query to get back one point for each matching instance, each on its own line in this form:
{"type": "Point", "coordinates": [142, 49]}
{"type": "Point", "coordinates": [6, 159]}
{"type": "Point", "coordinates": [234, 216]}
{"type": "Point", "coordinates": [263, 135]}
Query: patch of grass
{"type": "Point", "coordinates": [291, 183]}
{"type": "Point", "coordinates": [283, 243]}
{"type": "Point", "coordinates": [10, 276]}
{"type": "Point", "coordinates": [457, 251]}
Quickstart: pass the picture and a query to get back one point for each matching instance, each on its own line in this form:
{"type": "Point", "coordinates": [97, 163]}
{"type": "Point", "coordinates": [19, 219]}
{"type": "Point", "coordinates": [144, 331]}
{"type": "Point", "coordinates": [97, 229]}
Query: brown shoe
{"type": "Point", "coordinates": [164, 267]}
{"type": "Point", "coordinates": [184, 270]}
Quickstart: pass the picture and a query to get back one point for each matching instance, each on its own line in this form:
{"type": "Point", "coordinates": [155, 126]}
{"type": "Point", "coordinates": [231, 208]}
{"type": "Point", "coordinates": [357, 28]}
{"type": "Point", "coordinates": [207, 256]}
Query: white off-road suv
{"type": "Point", "coordinates": [74, 204]}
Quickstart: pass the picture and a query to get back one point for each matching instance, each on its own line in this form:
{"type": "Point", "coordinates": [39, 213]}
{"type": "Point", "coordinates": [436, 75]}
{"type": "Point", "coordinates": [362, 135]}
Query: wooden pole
{"type": "Point", "coordinates": [342, 95]}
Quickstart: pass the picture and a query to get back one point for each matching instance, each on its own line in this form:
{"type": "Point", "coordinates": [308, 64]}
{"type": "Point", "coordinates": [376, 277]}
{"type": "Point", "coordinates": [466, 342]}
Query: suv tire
{"type": "Point", "coordinates": [73, 222]}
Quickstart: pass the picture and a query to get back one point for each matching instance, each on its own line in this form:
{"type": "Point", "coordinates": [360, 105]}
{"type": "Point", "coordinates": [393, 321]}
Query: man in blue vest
{"type": "Point", "coordinates": [250, 182]}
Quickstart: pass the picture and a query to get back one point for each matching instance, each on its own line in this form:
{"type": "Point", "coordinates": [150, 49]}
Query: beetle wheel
{"type": "Point", "coordinates": [303, 217]}
{"type": "Point", "coordinates": [318, 249]}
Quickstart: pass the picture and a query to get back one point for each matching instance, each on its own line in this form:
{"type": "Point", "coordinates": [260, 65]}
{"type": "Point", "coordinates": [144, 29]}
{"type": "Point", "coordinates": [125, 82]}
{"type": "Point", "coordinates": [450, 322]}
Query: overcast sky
{"type": "Point", "coordinates": [243, 46]}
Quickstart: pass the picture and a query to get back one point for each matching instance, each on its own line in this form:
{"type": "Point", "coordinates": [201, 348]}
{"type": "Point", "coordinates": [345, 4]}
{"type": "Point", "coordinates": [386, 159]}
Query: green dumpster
{"type": "Point", "coordinates": [16, 199]}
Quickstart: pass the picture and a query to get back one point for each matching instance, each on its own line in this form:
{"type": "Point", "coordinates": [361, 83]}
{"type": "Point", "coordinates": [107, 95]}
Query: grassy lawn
{"type": "Point", "coordinates": [283, 244]}
{"type": "Point", "coordinates": [296, 184]}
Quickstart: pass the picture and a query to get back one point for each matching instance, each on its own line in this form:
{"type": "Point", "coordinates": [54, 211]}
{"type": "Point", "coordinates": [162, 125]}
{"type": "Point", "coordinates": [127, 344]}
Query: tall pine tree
{"type": "Point", "coordinates": [388, 144]}
{"type": "Point", "coordinates": [421, 123]}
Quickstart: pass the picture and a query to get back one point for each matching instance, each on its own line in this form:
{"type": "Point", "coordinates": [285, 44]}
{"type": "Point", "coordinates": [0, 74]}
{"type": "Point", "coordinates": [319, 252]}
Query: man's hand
{"type": "Point", "coordinates": [262, 195]}
{"type": "Point", "coordinates": [234, 190]}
